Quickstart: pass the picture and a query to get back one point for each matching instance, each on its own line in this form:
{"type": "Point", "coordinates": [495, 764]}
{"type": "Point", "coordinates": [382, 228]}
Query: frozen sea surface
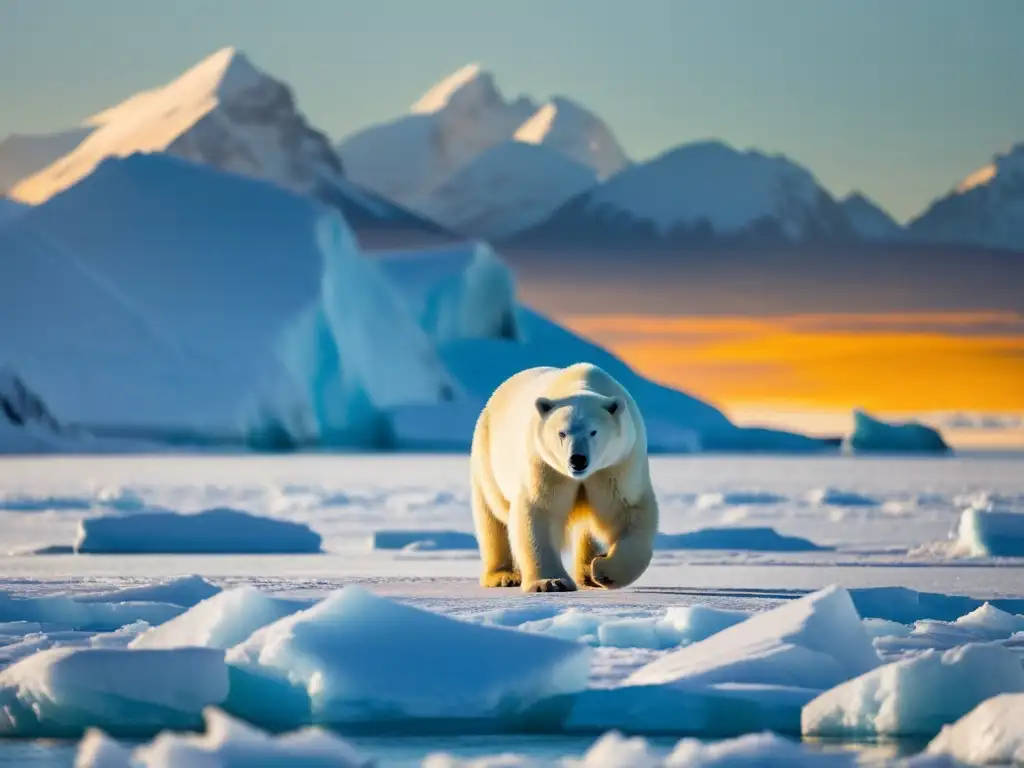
{"type": "Point", "coordinates": [882, 520]}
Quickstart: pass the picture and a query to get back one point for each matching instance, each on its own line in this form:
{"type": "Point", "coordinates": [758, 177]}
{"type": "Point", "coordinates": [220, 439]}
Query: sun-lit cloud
{"type": "Point", "coordinates": [884, 362]}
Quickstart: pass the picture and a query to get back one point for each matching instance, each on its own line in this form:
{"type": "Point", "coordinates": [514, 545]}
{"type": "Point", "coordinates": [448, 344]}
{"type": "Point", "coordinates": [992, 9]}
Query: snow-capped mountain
{"type": "Point", "coordinates": [460, 117]}
{"type": "Point", "coordinates": [222, 112]}
{"type": "Point", "coordinates": [986, 208]}
{"type": "Point", "coordinates": [506, 189]}
{"type": "Point", "coordinates": [418, 160]}
{"type": "Point", "coordinates": [575, 131]}
{"type": "Point", "coordinates": [870, 220]}
{"type": "Point", "coordinates": [701, 192]}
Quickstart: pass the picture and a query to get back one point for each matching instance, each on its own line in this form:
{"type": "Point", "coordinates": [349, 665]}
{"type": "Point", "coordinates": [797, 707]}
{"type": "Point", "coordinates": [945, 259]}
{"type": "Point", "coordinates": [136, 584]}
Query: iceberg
{"type": "Point", "coordinates": [872, 435]}
{"type": "Point", "coordinates": [358, 659]}
{"type": "Point", "coordinates": [222, 621]}
{"type": "Point", "coordinates": [459, 291]}
{"type": "Point", "coordinates": [178, 268]}
{"type": "Point", "coordinates": [990, 734]}
{"type": "Point", "coordinates": [225, 743]}
{"type": "Point", "coordinates": [915, 696]}
{"type": "Point", "coordinates": [60, 692]}
{"type": "Point", "coordinates": [815, 642]}
{"type": "Point", "coordinates": [220, 531]}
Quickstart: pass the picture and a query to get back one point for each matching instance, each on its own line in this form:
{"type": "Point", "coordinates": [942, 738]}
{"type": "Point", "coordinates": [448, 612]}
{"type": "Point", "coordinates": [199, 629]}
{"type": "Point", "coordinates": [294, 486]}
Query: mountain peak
{"type": "Point", "coordinates": [564, 125]}
{"type": "Point", "coordinates": [1009, 163]}
{"type": "Point", "coordinates": [224, 73]}
{"type": "Point", "coordinates": [470, 77]}
{"type": "Point", "coordinates": [868, 219]}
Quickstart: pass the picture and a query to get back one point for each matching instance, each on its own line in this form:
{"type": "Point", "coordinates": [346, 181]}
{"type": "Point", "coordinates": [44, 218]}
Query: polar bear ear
{"type": "Point", "coordinates": [613, 406]}
{"type": "Point", "coordinates": [544, 406]}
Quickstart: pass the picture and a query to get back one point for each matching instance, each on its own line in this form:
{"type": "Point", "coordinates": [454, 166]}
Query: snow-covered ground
{"type": "Point", "coordinates": [882, 526]}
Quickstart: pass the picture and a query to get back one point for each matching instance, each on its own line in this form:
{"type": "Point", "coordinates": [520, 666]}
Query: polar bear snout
{"type": "Point", "coordinates": [578, 462]}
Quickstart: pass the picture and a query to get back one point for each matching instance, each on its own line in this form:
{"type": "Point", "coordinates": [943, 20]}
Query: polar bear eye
{"type": "Point", "coordinates": [593, 433]}
{"type": "Point", "coordinates": [561, 435]}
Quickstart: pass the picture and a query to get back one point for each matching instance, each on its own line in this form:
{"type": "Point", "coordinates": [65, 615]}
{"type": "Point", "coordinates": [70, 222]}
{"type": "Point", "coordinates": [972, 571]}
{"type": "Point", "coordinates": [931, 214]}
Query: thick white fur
{"type": "Point", "coordinates": [527, 500]}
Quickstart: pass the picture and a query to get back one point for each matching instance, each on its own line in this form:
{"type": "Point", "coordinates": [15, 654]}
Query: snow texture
{"type": "Point", "coordinates": [223, 112]}
{"type": "Point", "coordinates": [225, 743]}
{"type": "Point", "coordinates": [221, 621]}
{"type": "Point", "coordinates": [220, 531]}
{"type": "Point", "coordinates": [990, 734]}
{"type": "Point", "coordinates": [60, 692]}
{"type": "Point", "coordinates": [506, 189]}
{"type": "Point", "coordinates": [915, 696]}
{"type": "Point", "coordinates": [870, 434]}
{"type": "Point", "coordinates": [357, 658]}
{"type": "Point", "coordinates": [461, 291]}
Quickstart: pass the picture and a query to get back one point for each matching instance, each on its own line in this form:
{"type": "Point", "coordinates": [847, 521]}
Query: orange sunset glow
{"type": "Point", "coordinates": [882, 362]}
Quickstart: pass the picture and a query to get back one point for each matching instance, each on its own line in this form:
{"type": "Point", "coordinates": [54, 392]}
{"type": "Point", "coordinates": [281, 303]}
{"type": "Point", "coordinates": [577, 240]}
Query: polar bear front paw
{"type": "Point", "coordinates": [501, 579]}
{"type": "Point", "coordinates": [550, 585]}
{"type": "Point", "coordinates": [599, 576]}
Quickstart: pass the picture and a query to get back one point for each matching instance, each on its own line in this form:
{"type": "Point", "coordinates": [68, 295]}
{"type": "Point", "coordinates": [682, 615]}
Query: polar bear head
{"type": "Point", "coordinates": [584, 433]}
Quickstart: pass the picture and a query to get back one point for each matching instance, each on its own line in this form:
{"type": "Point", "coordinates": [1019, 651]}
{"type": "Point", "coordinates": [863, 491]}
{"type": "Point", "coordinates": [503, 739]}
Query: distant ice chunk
{"type": "Point", "coordinates": [815, 642]}
{"type": "Point", "coordinates": [990, 734]}
{"type": "Point", "coordinates": [220, 530]}
{"type": "Point", "coordinates": [222, 621]}
{"type": "Point", "coordinates": [753, 539]}
{"type": "Point", "coordinates": [225, 743]}
{"type": "Point", "coordinates": [461, 291]}
{"type": "Point", "coordinates": [738, 498]}
{"type": "Point", "coordinates": [872, 435]}
{"type": "Point", "coordinates": [358, 658]}
{"type": "Point", "coordinates": [423, 540]}
{"type": "Point", "coordinates": [62, 691]}
{"type": "Point", "coordinates": [835, 497]}
{"type": "Point", "coordinates": [990, 532]}
{"type": "Point", "coordinates": [915, 696]}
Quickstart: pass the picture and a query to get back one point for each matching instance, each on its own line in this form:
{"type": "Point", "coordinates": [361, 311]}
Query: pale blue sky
{"type": "Point", "coordinates": [899, 98]}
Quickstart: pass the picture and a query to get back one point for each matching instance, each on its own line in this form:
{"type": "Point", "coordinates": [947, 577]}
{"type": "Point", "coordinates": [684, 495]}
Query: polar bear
{"type": "Point", "coordinates": [560, 452]}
